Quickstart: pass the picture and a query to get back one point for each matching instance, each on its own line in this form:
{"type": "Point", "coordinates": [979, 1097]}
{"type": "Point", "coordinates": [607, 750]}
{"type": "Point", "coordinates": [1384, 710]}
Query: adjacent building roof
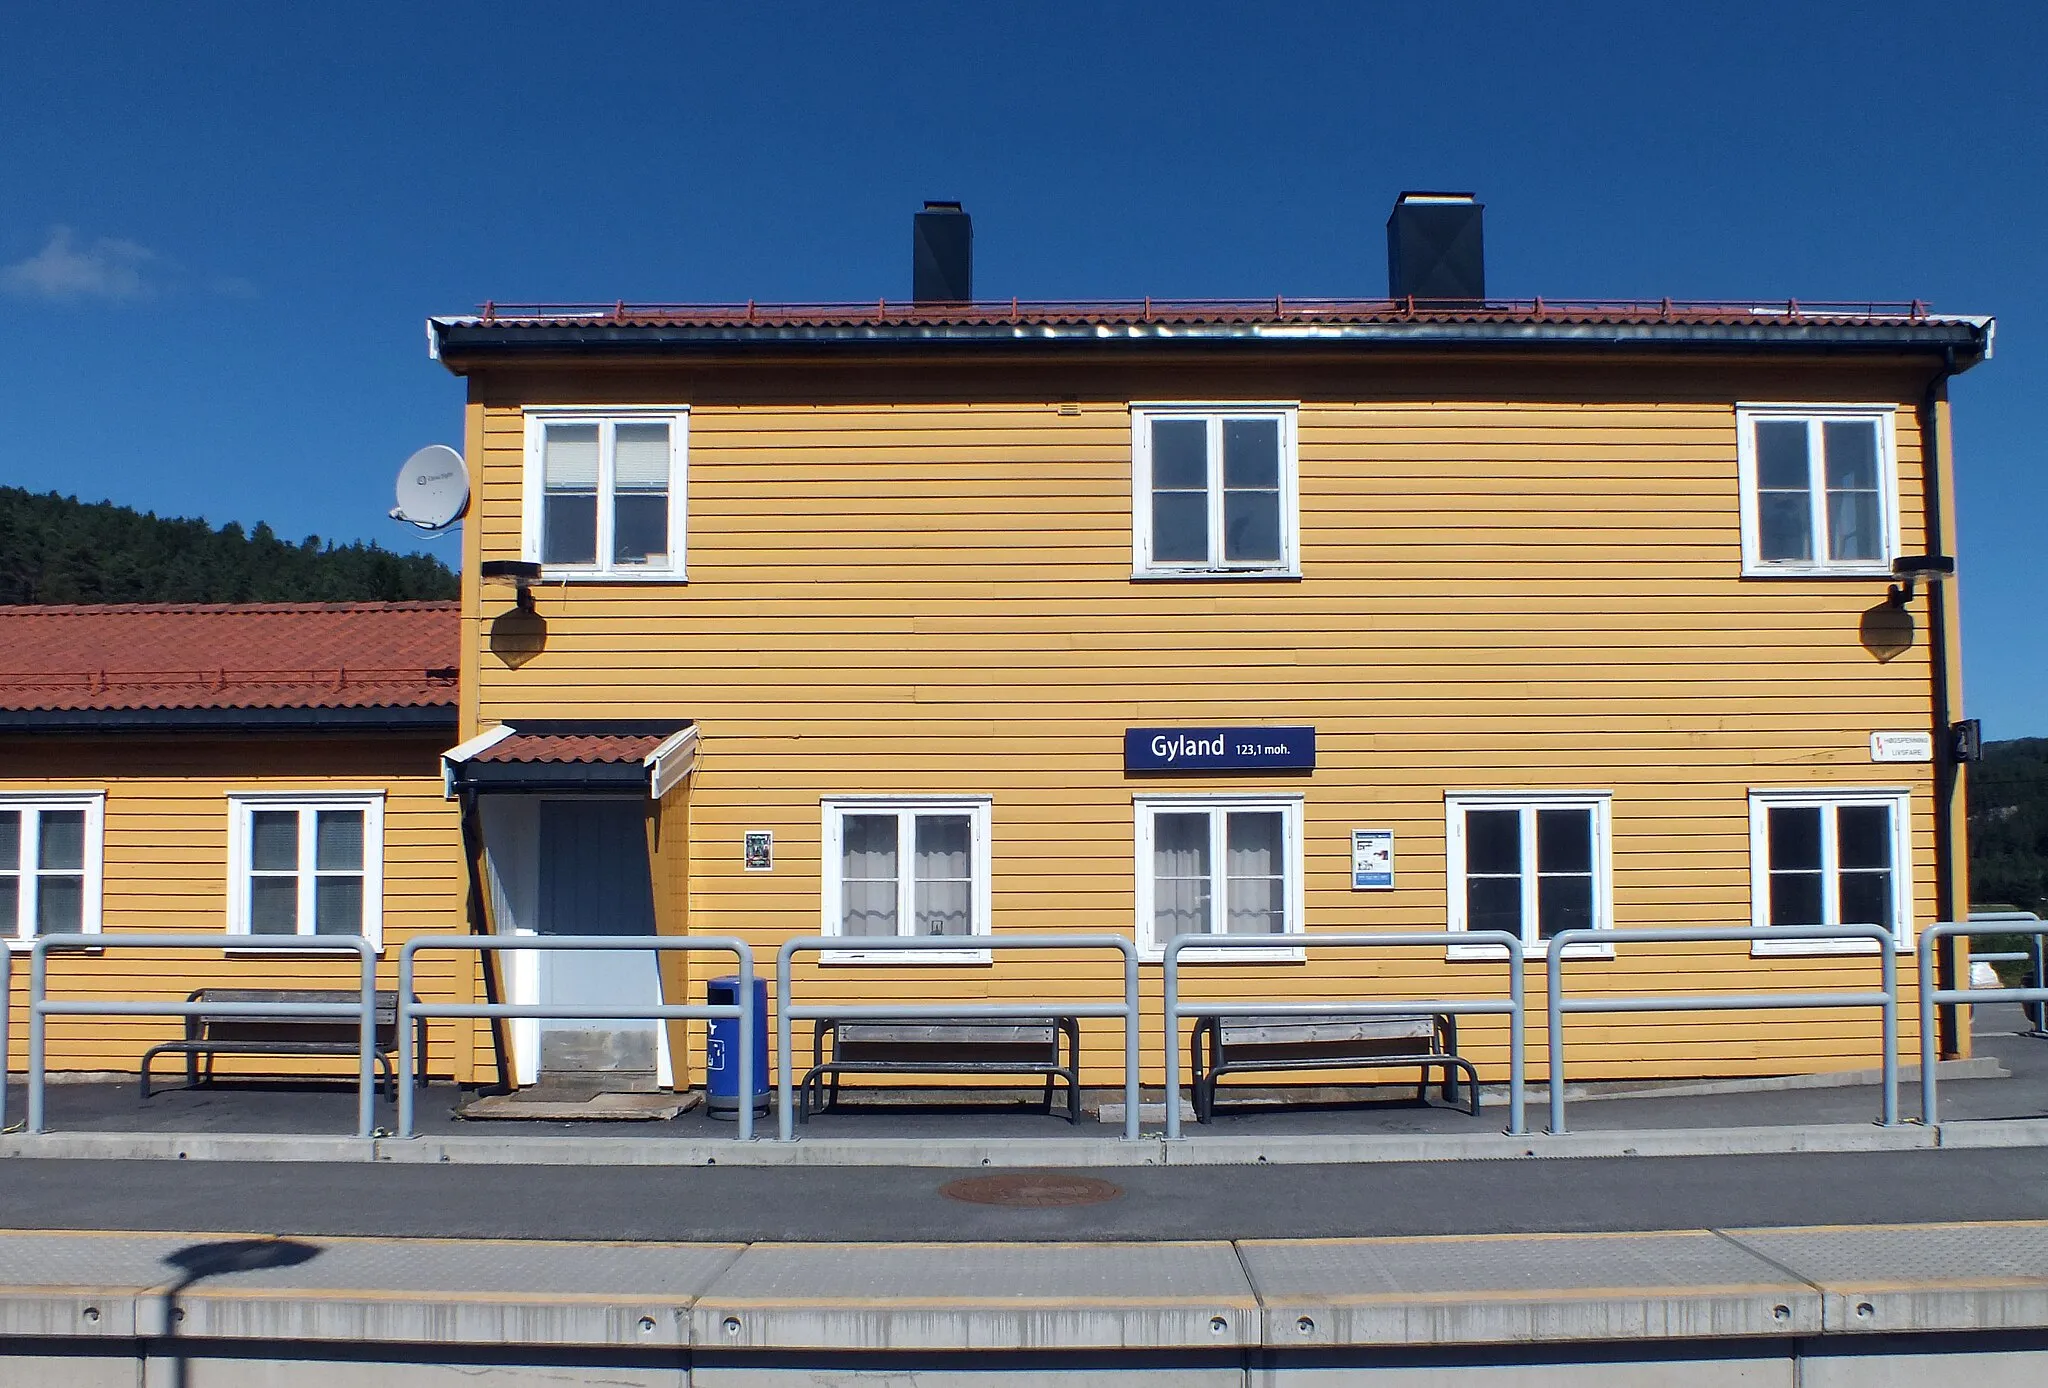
{"type": "Point", "coordinates": [282, 665]}
{"type": "Point", "coordinates": [1782, 325]}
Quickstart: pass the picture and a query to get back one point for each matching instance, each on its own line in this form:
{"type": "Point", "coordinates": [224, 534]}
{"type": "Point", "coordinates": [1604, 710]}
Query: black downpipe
{"type": "Point", "coordinates": [1948, 1035]}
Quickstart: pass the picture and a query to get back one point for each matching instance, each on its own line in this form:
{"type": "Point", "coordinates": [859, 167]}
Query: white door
{"type": "Point", "coordinates": [593, 880]}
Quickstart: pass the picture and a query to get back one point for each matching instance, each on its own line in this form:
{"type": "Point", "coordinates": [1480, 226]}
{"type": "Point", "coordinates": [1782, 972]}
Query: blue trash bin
{"type": "Point", "coordinates": [722, 1049]}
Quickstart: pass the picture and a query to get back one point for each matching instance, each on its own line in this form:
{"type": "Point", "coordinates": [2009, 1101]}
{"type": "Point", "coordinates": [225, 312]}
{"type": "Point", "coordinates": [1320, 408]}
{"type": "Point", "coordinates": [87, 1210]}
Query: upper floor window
{"type": "Point", "coordinates": [1819, 489]}
{"type": "Point", "coordinates": [49, 864]}
{"type": "Point", "coordinates": [1213, 490]}
{"type": "Point", "coordinates": [605, 491]}
{"type": "Point", "coordinates": [309, 864]}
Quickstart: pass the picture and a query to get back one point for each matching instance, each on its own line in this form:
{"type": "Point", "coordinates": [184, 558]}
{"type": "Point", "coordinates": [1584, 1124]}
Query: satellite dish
{"type": "Point", "coordinates": [433, 488]}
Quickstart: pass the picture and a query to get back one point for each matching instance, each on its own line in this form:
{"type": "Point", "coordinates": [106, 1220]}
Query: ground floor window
{"type": "Point", "coordinates": [906, 867]}
{"type": "Point", "coordinates": [1532, 864]}
{"type": "Point", "coordinates": [306, 865]}
{"type": "Point", "coordinates": [1829, 858]}
{"type": "Point", "coordinates": [50, 851]}
{"type": "Point", "coordinates": [1218, 865]}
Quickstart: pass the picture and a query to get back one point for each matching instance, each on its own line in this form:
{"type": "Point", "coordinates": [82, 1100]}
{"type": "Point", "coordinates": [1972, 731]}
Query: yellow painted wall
{"type": "Point", "coordinates": [165, 870]}
{"type": "Point", "coordinates": [917, 579]}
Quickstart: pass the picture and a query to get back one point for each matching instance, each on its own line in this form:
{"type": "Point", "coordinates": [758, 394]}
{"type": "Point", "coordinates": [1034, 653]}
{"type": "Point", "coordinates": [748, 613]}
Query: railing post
{"type": "Point", "coordinates": [1928, 1098]}
{"type": "Point", "coordinates": [1132, 1037]}
{"type": "Point", "coordinates": [6, 1024]}
{"type": "Point", "coordinates": [1553, 991]}
{"type": "Point", "coordinates": [1170, 974]}
{"type": "Point", "coordinates": [1888, 951]}
{"type": "Point", "coordinates": [785, 1102]}
{"type": "Point", "coordinates": [404, 1020]}
{"type": "Point", "coordinates": [38, 971]}
{"type": "Point", "coordinates": [2037, 1012]}
{"type": "Point", "coordinates": [1517, 1020]}
{"type": "Point", "coordinates": [366, 1074]}
{"type": "Point", "coordinates": [748, 1022]}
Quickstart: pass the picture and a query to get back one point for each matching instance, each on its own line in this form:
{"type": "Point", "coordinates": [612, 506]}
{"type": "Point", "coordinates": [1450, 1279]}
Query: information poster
{"type": "Point", "coordinates": [1372, 860]}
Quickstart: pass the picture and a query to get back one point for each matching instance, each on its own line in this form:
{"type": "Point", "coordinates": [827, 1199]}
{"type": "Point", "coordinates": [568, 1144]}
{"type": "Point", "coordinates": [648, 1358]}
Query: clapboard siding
{"type": "Point", "coordinates": [165, 870]}
{"type": "Point", "coordinates": [1514, 576]}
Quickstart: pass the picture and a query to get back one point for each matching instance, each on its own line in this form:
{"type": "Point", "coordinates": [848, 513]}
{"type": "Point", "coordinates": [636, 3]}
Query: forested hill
{"type": "Point", "coordinates": [2008, 794]}
{"type": "Point", "coordinates": [59, 549]}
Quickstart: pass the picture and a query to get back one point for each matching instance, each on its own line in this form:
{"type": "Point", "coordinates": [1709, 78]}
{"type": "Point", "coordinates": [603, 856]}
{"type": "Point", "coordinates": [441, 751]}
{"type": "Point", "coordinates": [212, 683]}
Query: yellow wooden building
{"type": "Point", "coordinates": [947, 617]}
{"type": "Point", "coordinates": [255, 769]}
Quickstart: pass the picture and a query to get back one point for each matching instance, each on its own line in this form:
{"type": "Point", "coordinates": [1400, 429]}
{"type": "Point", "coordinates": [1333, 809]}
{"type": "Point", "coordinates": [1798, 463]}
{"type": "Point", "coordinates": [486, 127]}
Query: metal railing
{"type": "Point", "coordinates": [1511, 1006]}
{"type": "Point", "coordinates": [41, 1007]}
{"type": "Point", "coordinates": [742, 1011]}
{"type": "Point", "coordinates": [6, 1023]}
{"type": "Point", "coordinates": [1995, 923]}
{"type": "Point", "coordinates": [1887, 1000]}
{"type": "Point", "coordinates": [787, 1009]}
{"type": "Point", "coordinates": [2037, 955]}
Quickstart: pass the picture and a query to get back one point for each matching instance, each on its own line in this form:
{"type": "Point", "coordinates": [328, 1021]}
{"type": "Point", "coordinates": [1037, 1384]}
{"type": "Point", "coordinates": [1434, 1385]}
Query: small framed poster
{"type": "Point", "coordinates": [760, 851]}
{"type": "Point", "coordinates": [1372, 860]}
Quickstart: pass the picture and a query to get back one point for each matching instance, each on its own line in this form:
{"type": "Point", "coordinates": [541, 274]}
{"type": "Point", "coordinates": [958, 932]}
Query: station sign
{"type": "Point", "coordinates": [1219, 749]}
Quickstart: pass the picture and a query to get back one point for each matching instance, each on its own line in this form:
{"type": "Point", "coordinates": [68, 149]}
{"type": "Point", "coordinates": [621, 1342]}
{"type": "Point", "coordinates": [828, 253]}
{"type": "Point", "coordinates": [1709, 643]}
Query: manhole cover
{"type": "Point", "coordinates": [1031, 1191]}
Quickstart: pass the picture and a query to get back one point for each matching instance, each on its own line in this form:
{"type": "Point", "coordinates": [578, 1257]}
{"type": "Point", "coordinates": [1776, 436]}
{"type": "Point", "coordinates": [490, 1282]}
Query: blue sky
{"type": "Point", "coordinates": [221, 226]}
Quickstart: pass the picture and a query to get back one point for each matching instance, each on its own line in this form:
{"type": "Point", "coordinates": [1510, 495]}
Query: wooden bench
{"type": "Point", "coordinates": [210, 1035]}
{"type": "Point", "coordinates": [1327, 1042]}
{"type": "Point", "coordinates": [951, 1046]}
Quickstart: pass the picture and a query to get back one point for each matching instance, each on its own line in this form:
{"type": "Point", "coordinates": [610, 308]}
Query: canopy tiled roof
{"type": "Point", "coordinates": [132, 656]}
{"type": "Point", "coordinates": [582, 748]}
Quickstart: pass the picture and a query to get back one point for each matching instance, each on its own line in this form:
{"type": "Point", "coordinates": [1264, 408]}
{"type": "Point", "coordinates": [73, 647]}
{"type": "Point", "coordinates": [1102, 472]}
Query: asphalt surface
{"type": "Point", "coordinates": [810, 1204]}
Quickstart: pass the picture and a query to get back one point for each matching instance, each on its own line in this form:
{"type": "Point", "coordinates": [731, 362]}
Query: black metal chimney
{"type": "Point", "coordinates": [942, 255]}
{"type": "Point", "coordinates": [1435, 251]}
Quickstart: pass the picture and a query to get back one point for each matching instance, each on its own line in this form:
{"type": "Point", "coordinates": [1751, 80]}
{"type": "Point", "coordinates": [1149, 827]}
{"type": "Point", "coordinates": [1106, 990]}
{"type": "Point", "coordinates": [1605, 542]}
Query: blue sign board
{"type": "Point", "coordinates": [1219, 749]}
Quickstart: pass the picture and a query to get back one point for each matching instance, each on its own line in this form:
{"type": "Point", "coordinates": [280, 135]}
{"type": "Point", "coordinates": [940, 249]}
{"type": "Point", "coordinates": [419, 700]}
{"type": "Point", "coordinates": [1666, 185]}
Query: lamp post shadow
{"type": "Point", "coordinates": [202, 1260]}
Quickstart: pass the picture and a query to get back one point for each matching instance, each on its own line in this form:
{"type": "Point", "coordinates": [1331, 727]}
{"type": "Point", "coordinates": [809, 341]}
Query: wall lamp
{"type": "Point", "coordinates": [1918, 568]}
{"type": "Point", "coordinates": [522, 574]}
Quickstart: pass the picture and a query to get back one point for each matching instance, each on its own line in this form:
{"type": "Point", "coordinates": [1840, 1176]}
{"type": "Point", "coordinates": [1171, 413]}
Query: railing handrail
{"type": "Point", "coordinates": [1979, 923]}
{"type": "Point", "coordinates": [1512, 1005]}
{"type": "Point", "coordinates": [1887, 1000]}
{"type": "Point", "coordinates": [742, 1011]}
{"type": "Point", "coordinates": [364, 1009]}
{"type": "Point", "coordinates": [788, 1009]}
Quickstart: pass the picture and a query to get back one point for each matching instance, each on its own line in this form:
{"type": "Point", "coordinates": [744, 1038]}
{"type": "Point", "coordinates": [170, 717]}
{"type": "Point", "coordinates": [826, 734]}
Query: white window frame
{"type": "Point", "coordinates": [1600, 802]}
{"type": "Point", "coordinates": [1142, 416]}
{"type": "Point", "coordinates": [537, 418]}
{"type": "Point", "coordinates": [981, 857]}
{"type": "Point", "coordinates": [1289, 805]}
{"type": "Point", "coordinates": [1754, 565]}
{"type": "Point", "coordinates": [94, 803]}
{"type": "Point", "coordinates": [241, 804]}
{"type": "Point", "coordinates": [1898, 799]}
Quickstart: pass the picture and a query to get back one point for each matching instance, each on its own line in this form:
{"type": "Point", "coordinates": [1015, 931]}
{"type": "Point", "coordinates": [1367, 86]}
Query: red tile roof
{"type": "Point", "coordinates": [572, 747]}
{"type": "Point", "coordinates": [229, 655]}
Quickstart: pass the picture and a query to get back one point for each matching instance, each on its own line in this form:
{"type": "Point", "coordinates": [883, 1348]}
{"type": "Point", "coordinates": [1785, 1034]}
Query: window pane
{"type": "Point", "coordinates": [1493, 841]}
{"type": "Point", "coordinates": [1781, 460]}
{"type": "Point", "coordinates": [1564, 841]}
{"type": "Point", "coordinates": [338, 906]}
{"type": "Point", "coordinates": [1255, 900]}
{"type": "Point", "coordinates": [338, 836]}
{"type": "Point", "coordinates": [1853, 526]}
{"type": "Point", "coordinates": [1785, 526]}
{"type": "Point", "coordinates": [1795, 898]}
{"type": "Point", "coordinates": [1180, 875]}
{"type": "Point", "coordinates": [273, 905]}
{"type": "Point", "coordinates": [10, 906]}
{"type": "Point", "coordinates": [1795, 837]}
{"type": "Point", "coordinates": [60, 904]}
{"type": "Point", "coordinates": [274, 840]}
{"type": "Point", "coordinates": [868, 874]}
{"type": "Point", "coordinates": [1251, 527]}
{"type": "Point", "coordinates": [1494, 903]}
{"type": "Point", "coordinates": [1564, 903]}
{"type": "Point", "coordinates": [61, 840]}
{"type": "Point", "coordinates": [10, 840]}
{"type": "Point", "coordinates": [569, 458]}
{"type": "Point", "coordinates": [1850, 447]}
{"type": "Point", "coordinates": [1180, 527]}
{"type": "Point", "coordinates": [640, 528]}
{"type": "Point", "coordinates": [941, 892]}
{"type": "Point", "coordinates": [1180, 454]}
{"type": "Point", "coordinates": [1251, 453]}
{"type": "Point", "coordinates": [1863, 836]}
{"type": "Point", "coordinates": [640, 458]}
{"type": "Point", "coordinates": [569, 528]}
{"type": "Point", "coordinates": [1866, 898]}
{"type": "Point", "coordinates": [1255, 906]}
